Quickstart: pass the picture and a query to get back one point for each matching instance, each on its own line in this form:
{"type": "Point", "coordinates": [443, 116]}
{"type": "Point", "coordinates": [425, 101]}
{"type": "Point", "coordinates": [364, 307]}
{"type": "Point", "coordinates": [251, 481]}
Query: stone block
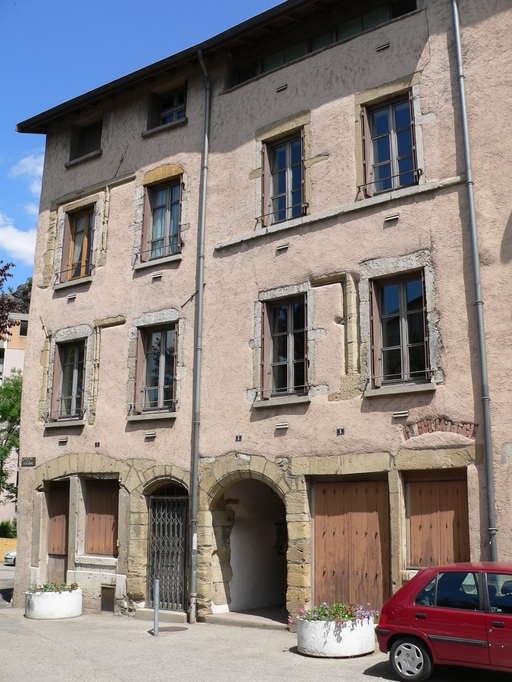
{"type": "Point", "coordinates": [138, 503]}
{"type": "Point", "coordinates": [221, 574]}
{"type": "Point", "coordinates": [294, 518]}
{"type": "Point", "coordinates": [300, 466]}
{"type": "Point", "coordinates": [137, 566]}
{"type": "Point", "coordinates": [138, 548]}
{"type": "Point", "coordinates": [299, 531]}
{"type": "Point", "coordinates": [299, 575]}
{"type": "Point", "coordinates": [443, 458]}
{"type": "Point", "coordinates": [299, 551]}
{"type": "Point", "coordinates": [365, 463]}
{"type": "Point", "coordinates": [297, 503]}
{"type": "Point", "coordinates": [138, 532]}
{"type": "Point", "coordinates": [136, 588]}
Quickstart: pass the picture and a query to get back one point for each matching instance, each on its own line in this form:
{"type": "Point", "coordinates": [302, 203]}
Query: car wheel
{"type": "Point", "coordinates": [410, 659]}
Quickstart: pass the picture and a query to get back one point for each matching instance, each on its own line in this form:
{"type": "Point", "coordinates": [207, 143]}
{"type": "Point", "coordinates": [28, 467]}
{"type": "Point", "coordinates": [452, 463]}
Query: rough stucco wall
{"type": "Point", "coordinates": [326, 85]}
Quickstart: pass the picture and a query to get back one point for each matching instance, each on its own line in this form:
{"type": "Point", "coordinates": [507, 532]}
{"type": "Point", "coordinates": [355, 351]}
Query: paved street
{"type": "Point", "coordinates": [105, 648]}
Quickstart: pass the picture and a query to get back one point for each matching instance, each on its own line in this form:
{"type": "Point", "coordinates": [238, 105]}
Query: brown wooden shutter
{"type": "Point", "coordinates": [102, 499]}
{"type": "Point", "coordinates": [367, 153]}
{"type": "Point", "coordinates": [138, 398]}
{"type": "Point", "coordinates": [425, 330]}
{"type": "Point", "coordinates": [266, 179]}
{"type": "Point", "coordinates": [146, 227]}
{"type": "Point", "coordinates": [58, 513]}
{"type": "Point", "coordinates": [376, 354]}
{"type": "Point", "coordinates": [413, 138]}
{"type": "Point", "coordinates": [65, 264]}
{"type": "Point", "coordinates": [56, 384]}
{"type": "Point", "coordinates": [303, 171]}
{"type": "Point", "coordinates": [266, 349]}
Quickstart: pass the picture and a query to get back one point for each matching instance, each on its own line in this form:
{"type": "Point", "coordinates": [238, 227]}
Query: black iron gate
{"type": "Point", "coordinates": [168, 551]}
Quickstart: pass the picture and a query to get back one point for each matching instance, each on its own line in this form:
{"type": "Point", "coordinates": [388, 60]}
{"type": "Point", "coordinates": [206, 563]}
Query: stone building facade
{"type": "Point", "coordinates": [341, 439]}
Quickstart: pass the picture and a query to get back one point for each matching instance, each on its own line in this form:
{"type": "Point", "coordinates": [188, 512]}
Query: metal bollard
{"type": "Point", "coordinates": [156, 606]}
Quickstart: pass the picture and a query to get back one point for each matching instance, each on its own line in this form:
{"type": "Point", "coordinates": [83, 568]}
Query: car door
{"type": "Point", "coordinates": [499, 619]}
{"type": "Point", "coordinates": [449, 612]}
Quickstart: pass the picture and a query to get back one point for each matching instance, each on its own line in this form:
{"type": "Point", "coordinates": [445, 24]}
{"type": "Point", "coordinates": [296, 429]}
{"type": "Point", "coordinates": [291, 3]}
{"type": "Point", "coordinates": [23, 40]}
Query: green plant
{"type": "Point", "coordinates": [53, 587]}
{"type": "Point", "coordinates": [341, 613]}
{"type": "Point", "coordinates": [8, 529]}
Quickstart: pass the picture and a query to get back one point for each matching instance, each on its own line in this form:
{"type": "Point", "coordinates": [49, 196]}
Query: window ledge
{"type": "Point", "coordinates": [341, 210]}
{"type": "Point", "coordinates": [158, 261]}
{"type": "Point", "coordinates": [96, 560]}
{"type": "Point", "coordinates": [85, 157]}
{"type": "Point", "coordinates": [166, 126]}
{"type": "Point", "coordinates": [62, 423]}
{"type": "Point", "coordinates": [278, 402]}
{"type": "Point", "coordinates": [399, 389]}
{"type": "Point", "coordinates": [151, 416]}
{"type": "Point", "coordinates": [72, 283]}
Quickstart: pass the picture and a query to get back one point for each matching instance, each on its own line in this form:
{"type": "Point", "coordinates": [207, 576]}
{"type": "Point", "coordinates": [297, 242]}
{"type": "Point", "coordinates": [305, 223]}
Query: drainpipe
{"type": "Point", "coordinates": [198, 343]}
{"type": "Point", "coordinates": [486, 400]}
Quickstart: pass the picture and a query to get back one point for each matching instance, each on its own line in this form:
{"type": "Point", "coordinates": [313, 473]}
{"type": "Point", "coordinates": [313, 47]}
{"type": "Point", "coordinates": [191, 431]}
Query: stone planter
{"type": "Point", "coordinates": [50, 605]}
{"type": "Point", "coordinates": [326, 638]}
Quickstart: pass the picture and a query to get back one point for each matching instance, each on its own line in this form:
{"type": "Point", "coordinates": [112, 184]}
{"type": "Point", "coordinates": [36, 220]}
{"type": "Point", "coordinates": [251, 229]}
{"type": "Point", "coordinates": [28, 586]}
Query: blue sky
{"type": "Point", "coordinates": [53, 50]}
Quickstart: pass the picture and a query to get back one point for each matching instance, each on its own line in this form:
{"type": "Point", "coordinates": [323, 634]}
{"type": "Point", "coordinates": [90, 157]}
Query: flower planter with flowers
{"type": "Point", "coordinates": [53, 600]}
{"type": "Point", "coordinates": [337, 631]}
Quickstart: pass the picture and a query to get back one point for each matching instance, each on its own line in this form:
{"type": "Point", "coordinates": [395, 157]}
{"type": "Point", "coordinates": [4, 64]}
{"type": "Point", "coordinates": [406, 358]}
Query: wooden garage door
{"type": "Point", "coordinates": [352, 542]}
{"type": "Point", "coordinates": [438, 522]}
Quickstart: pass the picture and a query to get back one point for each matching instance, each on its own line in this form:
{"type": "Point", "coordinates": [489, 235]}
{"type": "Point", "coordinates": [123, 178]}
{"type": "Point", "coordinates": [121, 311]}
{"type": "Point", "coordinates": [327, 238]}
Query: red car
{"type": "Point", "coordinates": [459, 614]}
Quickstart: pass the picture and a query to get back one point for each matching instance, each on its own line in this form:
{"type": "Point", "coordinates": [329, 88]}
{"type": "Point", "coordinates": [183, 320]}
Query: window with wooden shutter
{"type": "Point", "coordinates": [57, 496]}
{"type": "Point", "coordinates": [389, 146]}
{"type": "Point", "coordinates": [101, 505]}
{"type": "Point", "coordinates": [285, 361]}
{"type": "Point", "coordinates": [399, 333]}
{"type": "Point", "coordinates": [77, 245]}
{"type": "Point", "coordinates": [283, 174]}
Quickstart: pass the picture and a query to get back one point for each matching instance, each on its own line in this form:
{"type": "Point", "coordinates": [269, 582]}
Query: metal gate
{"type": "Point", "coordinates": [168, 551]}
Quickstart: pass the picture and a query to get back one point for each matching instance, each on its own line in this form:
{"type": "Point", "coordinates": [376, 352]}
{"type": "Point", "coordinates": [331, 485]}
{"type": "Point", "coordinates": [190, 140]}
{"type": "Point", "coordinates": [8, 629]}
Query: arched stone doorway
{"type": "Point", "coordinates": [249, 525]}
{"type": "Point", "coordinates": [168, 549]}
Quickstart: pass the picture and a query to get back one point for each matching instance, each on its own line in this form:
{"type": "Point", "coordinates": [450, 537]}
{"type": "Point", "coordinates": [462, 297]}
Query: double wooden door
{"type": "Point", "coordinates": [351, 529]}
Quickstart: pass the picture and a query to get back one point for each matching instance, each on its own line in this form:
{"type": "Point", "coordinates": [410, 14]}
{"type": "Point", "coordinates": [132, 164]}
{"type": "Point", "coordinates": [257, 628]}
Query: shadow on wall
{"type": "Point", "coordinates": [506, 242]}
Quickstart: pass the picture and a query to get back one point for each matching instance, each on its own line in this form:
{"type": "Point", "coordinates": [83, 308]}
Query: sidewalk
{"type": "Point", "coordinates": [106, 648]}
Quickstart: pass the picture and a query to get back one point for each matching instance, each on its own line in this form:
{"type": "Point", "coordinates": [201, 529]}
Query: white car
{"type": "Point", "coordinates": [10, 558]}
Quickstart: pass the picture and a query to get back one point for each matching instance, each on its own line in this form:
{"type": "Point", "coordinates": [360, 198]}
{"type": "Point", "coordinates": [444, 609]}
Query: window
{"type": "Point", "coordinates": [168, 107]}
{"type": "Point", "coordinates": [86, 140]}
{"type": "Point", "coordinates": [101, 505]}
{"type": "Point", "coordinates": [283, 193]}
{"type": "Point", "coordinates": [69, 367]}
{"type": "Point", "coordinates": [389, 147]}
{"type": "Point", "coordinates": [156, 370]}
{"type": "Point", "coordinates": [452, 590]}
{"type": "Point", "coordinates": [285, 348]}
{"type": "Point", "coordinates": [399, 330]}
{"type": "Point", "coordinates": [77, 245]}
{"type": "Point", "coordinates": [161, 229]}
{"type": "Point", "coordinates": [330, 34]}
{"type": "Point", "coordinates": [23, 327]}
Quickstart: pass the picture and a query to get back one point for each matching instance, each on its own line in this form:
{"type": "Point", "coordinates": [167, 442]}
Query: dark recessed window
{"type": "Point", "coordinates": [86, 140]}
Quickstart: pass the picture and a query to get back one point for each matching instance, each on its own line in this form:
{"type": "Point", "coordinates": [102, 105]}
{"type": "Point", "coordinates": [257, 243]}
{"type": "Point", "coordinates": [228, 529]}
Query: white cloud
{"type": "Point", "coordinates": [30, 166]}
{"type": "Point", "coordinates": [31, 209]}
{"type": "Point", "coordinates": [18, 244]}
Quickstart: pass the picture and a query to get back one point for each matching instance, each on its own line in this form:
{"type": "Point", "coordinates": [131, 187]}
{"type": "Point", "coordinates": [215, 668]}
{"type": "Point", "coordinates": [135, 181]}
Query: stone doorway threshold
{"type": "Point", "coordinates": [271, 617]}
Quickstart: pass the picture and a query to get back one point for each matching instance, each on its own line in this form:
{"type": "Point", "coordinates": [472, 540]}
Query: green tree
{"type": "Point", "coordinates": [10, 410]}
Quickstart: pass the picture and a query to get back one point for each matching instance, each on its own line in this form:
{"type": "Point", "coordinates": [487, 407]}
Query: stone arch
{"type": "Point", "coordinates": [291, 489]}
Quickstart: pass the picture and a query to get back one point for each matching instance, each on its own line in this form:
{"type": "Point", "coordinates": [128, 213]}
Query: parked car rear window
{"type": "Point", "coordinates": [452, 590]}
{"type": "Point", "coordinates": [499, 587]}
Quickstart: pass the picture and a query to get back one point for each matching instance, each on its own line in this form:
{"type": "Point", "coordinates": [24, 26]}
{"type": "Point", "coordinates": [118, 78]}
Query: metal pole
{"type": "Point", "coordinates": [198, 345]}
{"type": "Point", "coordinates": [486, 400]}
{"type": "Point", "coordinates": [156, 606]}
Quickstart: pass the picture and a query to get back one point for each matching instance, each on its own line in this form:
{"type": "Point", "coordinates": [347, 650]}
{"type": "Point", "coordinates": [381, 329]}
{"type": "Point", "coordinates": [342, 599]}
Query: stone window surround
{"type": "Point", "coordinates": [253, 394]}
{"type": "Point", "coordinates": [159, 318]}
{"type": "Point", "coordinates": [83, 331]}
{"type": "Point", "coordinates": [389, 266]}
{"type": "Point", "coordinates": [383, 93]}
{"type": "Point", "coordinates": [96, 200]}
{"type": "Point", "coordinates": [272, 133]}
{"type": "Point", "coordinates": [156, 176]}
